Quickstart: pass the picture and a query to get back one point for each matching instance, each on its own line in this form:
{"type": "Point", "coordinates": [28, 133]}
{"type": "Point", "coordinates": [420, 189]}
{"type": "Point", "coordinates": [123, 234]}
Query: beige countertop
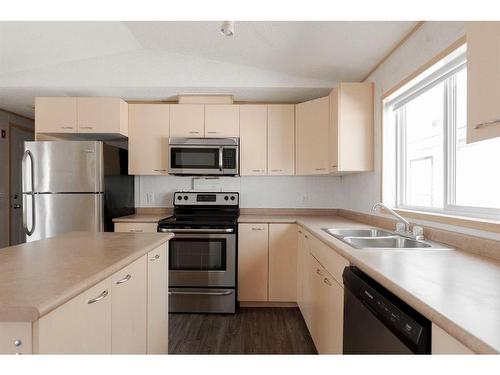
{"type": "Point", "coordinates": [141, 218]}
{"type": "Point", "coordinates": [39, 276]}
{"type": "Point", "coordinates": [456, 290]}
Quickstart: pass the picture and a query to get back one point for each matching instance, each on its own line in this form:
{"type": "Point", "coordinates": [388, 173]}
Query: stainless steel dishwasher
{"type": "Point", "coordinates": [378, 322]}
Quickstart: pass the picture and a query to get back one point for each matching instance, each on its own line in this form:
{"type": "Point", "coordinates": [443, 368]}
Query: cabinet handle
{"type": "Point", "coordinates": [66, 127]}
{"type": "Point", "coordinates": [212, 132]}
{"type": "Point", "coordinates": [124, 280]}
{"type": "Point", "coordinates": [486, 124]}
{"type": "Point", "coordinates": [306, 236]}
{"type": "Point", "coordinates": [192, 132]}
{"type": "Point", "coordinates": [320, 169]}
{"type": "Point", "coordinates": [17, 342]}
{"type": "Point", "coordinates": [327, 282]}
{"type": "Point", "coordinates": [159, 170]}
{"type": "Point", "coordinates": [101, 296]}
{"type": "Point", "coordinates": [334, 166]}
{"type": "Point", "coordinates": [86, 127]}
{"type": "Point", "coordinates": [276, 170]}
{"type": "Point", "coordinates": [318, 271]}
{"type": "Point", "coordinates": [257, 228]}
{"type": "Point", "coordinates": [135, 230]}
{"type": "Point", "coordinates": [154, 258]}
{"type": "Point", "coordinates": [300, 231]}
{"type": "Point", "coordinates": [257, 170]}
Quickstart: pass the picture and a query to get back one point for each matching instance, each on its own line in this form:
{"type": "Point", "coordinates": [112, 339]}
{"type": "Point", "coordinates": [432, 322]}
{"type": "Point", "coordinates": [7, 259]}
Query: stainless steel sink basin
{"type": "Point", "coordinates": [370, 232]}
{"type": "Point", "coordinates": [394, 242]}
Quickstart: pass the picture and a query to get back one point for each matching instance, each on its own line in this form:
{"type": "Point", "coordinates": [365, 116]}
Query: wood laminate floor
{"type": "Point", "coordinates": [253, 330]}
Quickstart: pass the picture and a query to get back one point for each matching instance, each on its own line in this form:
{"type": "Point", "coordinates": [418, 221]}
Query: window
{"type": "Point", "coordinates": [432, 166]}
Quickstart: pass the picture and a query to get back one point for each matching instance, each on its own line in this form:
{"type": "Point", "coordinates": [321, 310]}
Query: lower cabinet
{"type": "Point", "coordinates": [128, 316]}
{"type": "Point", "coordinates": [126, 313]}
{"type": "Point", "coordinates": [138, 227]}
{"type": "Point", "coordinates": [443, 343]}
{"type": "Point", "coordinates": [267, 262]}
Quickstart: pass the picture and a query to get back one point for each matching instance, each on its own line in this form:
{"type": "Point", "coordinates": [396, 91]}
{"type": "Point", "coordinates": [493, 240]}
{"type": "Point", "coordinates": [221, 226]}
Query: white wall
{"type": "Point", "coordinates": [360, 191]}
{"type": "Point", "coordinates": [256, 192]}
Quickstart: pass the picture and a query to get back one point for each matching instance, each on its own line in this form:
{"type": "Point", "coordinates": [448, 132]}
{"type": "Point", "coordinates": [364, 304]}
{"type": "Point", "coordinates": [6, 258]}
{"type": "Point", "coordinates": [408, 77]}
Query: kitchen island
{"type": "Point", "coordinates": [85, 292]}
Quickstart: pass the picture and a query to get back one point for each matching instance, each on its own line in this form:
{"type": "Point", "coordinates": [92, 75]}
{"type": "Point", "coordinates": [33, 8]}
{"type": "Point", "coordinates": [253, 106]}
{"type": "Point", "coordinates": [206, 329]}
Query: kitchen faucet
{"type": "Point", "coordinates": [409, 230]}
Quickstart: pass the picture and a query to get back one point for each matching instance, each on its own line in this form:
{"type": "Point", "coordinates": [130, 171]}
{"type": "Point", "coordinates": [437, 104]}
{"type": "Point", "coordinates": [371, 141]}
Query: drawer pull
{"type": "Point", "coordinates": [327, 282]}
{"type": "Point", "coordinates": [124, 280]}
{"type": "Point", "coordinates": [320, 169]}
{"type": "Point", "coordinates": [257, 170]}
{"type": "Point", "coordinates": [306, 236]}
{"type": "Point", "coordinates": [276, 170]}
{"type": "Point", "coordinates": [478, 126]}
{"type": "Point", "coordinates": [159, 170]}
{"type": "Point", "coordinates": [101, 296]}
{"type": "Point", "coordinates": [257, 228]}
{"type": "Point", "coordinates": [136, 230]}
{"type": "Point", "coordinates": [318, 271]}
{"type": "Point", "coordinates": [154, 258]}
{"type": "Point", "coordinates": [212, 132]}
{"type": "Point", "coordinates": [192, 132]}
{"type": "Point", "coordinates": [17, 342]}
{"type": "Point", "coordinates": [66, 127]}
{"type": "Point", "coordinates": [86, 127]}
{"type": "Point", "coordinates": [300, 231]}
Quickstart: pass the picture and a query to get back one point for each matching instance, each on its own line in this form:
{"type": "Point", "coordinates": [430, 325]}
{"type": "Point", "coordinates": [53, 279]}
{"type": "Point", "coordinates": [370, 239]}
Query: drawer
{"type": "Point", "coordinates": [329, 258]}
{"type": "Point", "coordinates": [15, 338]}
{"type": "Point", "coordinates": [136, 227]}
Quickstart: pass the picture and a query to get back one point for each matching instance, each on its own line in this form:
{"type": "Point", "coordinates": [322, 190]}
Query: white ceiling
{"type": "Point", "coordinates": [263, 61]}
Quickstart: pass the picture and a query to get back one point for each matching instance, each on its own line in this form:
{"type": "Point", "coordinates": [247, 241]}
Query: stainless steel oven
{"type": "Point", "coordinates": [204, 156]}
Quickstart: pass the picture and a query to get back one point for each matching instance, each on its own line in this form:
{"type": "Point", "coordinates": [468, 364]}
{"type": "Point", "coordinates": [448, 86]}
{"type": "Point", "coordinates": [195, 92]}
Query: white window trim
{"type": "Point", "coordinates": [443, 73]}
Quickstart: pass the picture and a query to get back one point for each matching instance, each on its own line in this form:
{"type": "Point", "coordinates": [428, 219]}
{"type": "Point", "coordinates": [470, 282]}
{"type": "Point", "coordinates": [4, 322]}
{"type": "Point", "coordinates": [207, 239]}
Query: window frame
{"type": "Point", "coordinates": [447, 74]}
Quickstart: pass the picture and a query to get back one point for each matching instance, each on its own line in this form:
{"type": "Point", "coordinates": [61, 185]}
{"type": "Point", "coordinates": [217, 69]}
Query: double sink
{"type": "Point", "coordinates": [374, 238]}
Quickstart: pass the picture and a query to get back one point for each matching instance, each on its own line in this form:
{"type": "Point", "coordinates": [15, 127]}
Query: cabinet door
{"type": "Point", "coordinates": [300, 262]}
{"type": "Point", "coordinates": [187, 120]}
{"type": "Point", "coordinates": [331, 316]}
{"type": "Point", "coordinates": [334, 131]}
{"type": "Point", "coordinates": [443, 343]}
{"type": "Point", "coordinates": [56, 115]}
{"type": "Point", "coordinates": [136, 227]}
{"type": "Point", "coordinates": [102, 115]}
{"type": "Point", "coordinates": [306, 280]}
{"type": "Point", "coordinates": [311, 137]}
{"type": "Point", "coordinates": [281, 139]}
{"type": "Point", "coordinates": [157, 327]}
{"type": "Point", "coordinates": [222, 120]}
{"type": "Point", "coordinates": [282, 262]}
{"type": "Point", "coordinates": [253, 140]}
{"type": "Point", "coordinates": [316, 301]}
{"type": "Point", "coordinates": [483, 80]}
{"type": "Point", "coordinates": [128, 319]}
{"type": "Point", "coordinates": [80, 326]}
{"type": "Point", "coordinates": [148, 139]}
{"type": "Point", "coordinates": [252, 262]}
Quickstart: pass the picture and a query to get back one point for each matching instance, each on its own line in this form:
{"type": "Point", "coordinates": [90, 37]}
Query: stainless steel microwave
{"type": "Point", "coordinates": [204, 156]}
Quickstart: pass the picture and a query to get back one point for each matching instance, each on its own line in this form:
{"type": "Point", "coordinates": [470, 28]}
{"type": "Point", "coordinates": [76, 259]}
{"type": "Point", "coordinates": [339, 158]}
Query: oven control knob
{"type": "Point", "coordinates": [179, 198]}
{"type": "Point", "coordinates": [185, 197]}
{"type": "Point", "coordinates": [226, 198]}
{"type": "Point", "coordinates": [232, 198]}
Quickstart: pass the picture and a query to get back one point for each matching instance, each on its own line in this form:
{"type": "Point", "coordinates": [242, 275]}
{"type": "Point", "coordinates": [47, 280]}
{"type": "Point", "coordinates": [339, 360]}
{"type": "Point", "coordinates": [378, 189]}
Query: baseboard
{"type": "Point", "coordinates": [268, 304]}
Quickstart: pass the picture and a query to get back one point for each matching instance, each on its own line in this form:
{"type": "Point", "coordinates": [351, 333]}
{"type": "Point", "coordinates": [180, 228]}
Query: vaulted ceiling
{"type": "Point", "coordinates": [263, 61]}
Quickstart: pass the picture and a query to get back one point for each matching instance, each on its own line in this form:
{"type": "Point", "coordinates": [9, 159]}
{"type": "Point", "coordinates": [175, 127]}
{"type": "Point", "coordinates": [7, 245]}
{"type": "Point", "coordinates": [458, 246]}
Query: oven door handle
{"type": "Point", "coordinates": [195, 230]}
{"type": "Point", "coordinates": [221, 154]}
{"type": "Point", "coordinates": [226, 293]}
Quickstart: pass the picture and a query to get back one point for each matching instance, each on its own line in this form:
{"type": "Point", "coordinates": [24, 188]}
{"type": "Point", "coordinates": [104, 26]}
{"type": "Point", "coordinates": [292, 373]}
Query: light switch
{"type": "Point", "coordinates": [150, 198]}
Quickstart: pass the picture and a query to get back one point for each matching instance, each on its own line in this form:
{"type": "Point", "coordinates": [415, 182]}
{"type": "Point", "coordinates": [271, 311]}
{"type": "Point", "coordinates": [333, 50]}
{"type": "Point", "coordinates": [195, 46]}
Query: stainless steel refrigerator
{"type": "Point", "coordinates": [74, 186]}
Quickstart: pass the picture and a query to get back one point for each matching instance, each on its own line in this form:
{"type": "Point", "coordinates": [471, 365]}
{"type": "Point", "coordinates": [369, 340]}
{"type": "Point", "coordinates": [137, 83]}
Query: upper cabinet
{"type": "Point", "coordinates": [311, 137]}
{"type": "Point", "coordinates": [222, 120]}
{"type": "Point", "coordinates": [148, 139]}
{"type": "Point", "coordinates": [187, 120]}
{"type": "Point", "coordinates": [351, 128]}
{"type": "Point", "coordinates": [483, 80]}
{"type": "Point", "coordinates": [253, 140]}
{"type": "Point", "coordinates": [96, 115]}
{"type": "Point", "coordinates": [281, 139]}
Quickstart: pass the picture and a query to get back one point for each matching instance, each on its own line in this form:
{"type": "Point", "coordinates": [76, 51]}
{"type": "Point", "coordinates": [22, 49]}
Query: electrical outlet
{"type": "Point", "coordinates": [150, 197]}
{"type": "Point", "coordinates": [305, 198]}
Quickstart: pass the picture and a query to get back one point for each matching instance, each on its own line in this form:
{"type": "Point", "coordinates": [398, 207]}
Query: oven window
{"type": "Point", "coordinates": [199, 254]}
{"type": "Point", "coordinates": [196, 158]}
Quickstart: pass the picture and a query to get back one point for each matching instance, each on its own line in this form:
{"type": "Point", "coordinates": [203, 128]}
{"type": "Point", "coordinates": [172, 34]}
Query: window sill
{"type": "Point", "coordinates": [460, 221]}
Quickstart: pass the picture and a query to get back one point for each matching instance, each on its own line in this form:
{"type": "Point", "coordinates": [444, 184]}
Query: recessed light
{"type": "Point", "coordinates": [227, 28]}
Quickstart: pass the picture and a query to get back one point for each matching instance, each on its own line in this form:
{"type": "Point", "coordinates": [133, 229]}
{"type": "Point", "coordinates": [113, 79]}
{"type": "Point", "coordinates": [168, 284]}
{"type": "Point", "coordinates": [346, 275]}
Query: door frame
{"type": "Point", "coordinates": [13, 125]}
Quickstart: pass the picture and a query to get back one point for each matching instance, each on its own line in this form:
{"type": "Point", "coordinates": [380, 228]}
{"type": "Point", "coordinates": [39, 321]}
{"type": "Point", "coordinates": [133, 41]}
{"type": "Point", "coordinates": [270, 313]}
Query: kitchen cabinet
{"type": "Point", "coordinates": [128, 318]}
{"type": "Point", "coordinates": [483, 80]}
{"type": "Point", "coordinates": [187, 120]}
{"type": "Point", "coordinates": [303, 280]}
{"type": "Point", "coordinates": [91, 115]}
{"type": "Point", "coordinates": [102, 115]}
{"type": "Point", "coordinates": [311, 137]}
{"type": "Point", "coordinates": [253, 140]}
{"type": "Point", "coordinates": [136, 227]}
{"type": "Point", "coordinates": [443, 343]}
{"type": "Point", "coordinates": [157, 327]}
{"type": "Point", "coordinates": [56, 115]}
{"type": "Point", "coordinates": [253, 265]}
{"type": "Point", "coordinates": [222, 120]}
{"type": "Point", "coordinates": [281, 139]}
{"type": "Point", "coordinates": [16, 338]}
{"type": "Point", "coordinates": [282, 262]}
{"type": "Point", "coordinates": [82, 325]}
{"type": "Point", "coordinates": [351, 128]}
{"type": "Point", "coordinates": [149, 130]}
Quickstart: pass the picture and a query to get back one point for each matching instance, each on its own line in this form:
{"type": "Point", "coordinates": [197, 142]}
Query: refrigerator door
{"type": "Point", "coordinates": [48, 215]}
{"type": "Point", "coordinates": [63, 166]}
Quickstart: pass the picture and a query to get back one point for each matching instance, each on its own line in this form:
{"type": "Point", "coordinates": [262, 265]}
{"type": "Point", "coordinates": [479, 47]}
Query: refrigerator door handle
{"type": "Point", "coordinates": [27, 154]}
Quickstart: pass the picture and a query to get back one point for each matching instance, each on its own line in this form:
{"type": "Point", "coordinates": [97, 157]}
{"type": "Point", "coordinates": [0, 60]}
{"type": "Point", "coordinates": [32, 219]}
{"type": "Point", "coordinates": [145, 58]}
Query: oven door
{"type": "Point", "coordinates": [202, 260]}
{"type": "Point", "coordinates": [196, 160]}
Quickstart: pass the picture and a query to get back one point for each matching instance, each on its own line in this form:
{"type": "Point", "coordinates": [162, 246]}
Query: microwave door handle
{"type": "Point", "coordinates": [220, 157]}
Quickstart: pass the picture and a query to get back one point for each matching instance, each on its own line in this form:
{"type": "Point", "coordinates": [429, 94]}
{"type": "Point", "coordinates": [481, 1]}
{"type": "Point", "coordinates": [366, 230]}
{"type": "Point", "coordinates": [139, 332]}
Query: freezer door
{"type": "Point", "coordinates": [62, 166]}
{"type": "Point", "coordinates": [48, 215]}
